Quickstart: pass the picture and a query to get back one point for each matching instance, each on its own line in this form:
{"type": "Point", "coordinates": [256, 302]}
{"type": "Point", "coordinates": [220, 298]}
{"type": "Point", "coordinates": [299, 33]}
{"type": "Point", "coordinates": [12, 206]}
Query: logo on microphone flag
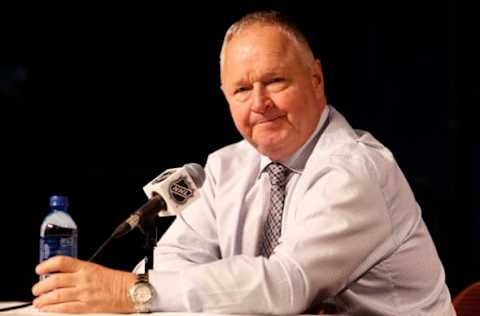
{"type": "Point", "coordinates": [180, 190]}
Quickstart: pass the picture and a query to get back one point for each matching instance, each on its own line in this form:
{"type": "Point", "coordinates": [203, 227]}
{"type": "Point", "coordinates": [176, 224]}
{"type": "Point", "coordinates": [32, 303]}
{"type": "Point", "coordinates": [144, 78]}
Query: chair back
{"type": "Point", "coordinates": [467, 302]}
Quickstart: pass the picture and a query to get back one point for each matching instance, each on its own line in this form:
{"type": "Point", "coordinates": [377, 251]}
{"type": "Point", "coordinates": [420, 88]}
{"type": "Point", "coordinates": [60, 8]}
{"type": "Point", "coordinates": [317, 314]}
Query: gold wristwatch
{"type": "Point", "coordinates": [141, 294]}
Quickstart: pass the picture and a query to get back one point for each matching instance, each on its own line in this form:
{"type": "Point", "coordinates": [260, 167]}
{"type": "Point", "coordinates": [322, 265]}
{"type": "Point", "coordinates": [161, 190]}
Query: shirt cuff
{"type": "Point", "coordinates": [168, 291]}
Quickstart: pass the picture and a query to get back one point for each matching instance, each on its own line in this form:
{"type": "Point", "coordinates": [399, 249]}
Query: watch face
{"type": "Point", "coordinates": [143, 293]}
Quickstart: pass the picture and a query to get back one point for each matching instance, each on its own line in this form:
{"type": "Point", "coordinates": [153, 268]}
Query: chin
{"type": "Point", "coordinates": [272, 152]}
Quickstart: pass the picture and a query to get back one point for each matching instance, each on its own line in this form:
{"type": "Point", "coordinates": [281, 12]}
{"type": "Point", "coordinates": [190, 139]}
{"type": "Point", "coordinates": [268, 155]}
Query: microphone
{"type": "Point", "coordinates": [168, 194]}
{"type": "Point", "coordinates": [178, 187]}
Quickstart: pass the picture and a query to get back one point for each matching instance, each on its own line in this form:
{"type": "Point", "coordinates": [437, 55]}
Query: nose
{"type": "Point", "coordinates": [261, 100]}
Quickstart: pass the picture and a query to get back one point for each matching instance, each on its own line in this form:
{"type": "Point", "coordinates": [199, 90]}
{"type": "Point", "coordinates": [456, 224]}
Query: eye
{"type": "Point", "coordinates": [277, 84]}
{"type": "Point", "coordinates": [277, 79]}
{"type": "Point", "coordinates": [241, 89]}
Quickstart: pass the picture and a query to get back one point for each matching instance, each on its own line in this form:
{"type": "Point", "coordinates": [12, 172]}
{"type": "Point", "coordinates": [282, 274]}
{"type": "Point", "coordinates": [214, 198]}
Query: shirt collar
{"type": "Point", "coordinates": [296, 162]}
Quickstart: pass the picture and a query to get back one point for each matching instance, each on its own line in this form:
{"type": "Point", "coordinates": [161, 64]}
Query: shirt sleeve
{"type": "Point", "coordinates": [341, 229]}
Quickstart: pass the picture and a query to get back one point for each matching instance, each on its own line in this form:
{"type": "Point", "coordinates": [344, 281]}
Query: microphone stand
{"type": "Point", "coordinates": [149, 228]}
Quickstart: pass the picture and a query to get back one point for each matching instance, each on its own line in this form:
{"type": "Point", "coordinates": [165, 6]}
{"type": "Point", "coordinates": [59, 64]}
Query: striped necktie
{"type": "Point", "coordinates": [273, 226]}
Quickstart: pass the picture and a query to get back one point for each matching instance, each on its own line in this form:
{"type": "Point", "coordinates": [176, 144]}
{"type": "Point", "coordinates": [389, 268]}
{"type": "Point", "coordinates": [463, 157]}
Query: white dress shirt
{"type": "Point", "coordinates": [352, 236]}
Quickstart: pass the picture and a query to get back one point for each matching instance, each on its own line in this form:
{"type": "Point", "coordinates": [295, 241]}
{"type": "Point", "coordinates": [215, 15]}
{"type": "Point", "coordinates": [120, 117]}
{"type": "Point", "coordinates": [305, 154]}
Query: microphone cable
{"type": "Point", "coordinates": [4, 309]}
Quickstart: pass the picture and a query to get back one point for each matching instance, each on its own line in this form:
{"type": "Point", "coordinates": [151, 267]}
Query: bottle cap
{"type": "Point", "coordinates": [59, 202]}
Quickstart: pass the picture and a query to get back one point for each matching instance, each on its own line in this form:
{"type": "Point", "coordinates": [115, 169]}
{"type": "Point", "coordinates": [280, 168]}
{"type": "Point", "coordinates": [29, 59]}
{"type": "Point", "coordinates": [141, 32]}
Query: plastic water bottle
{"type": "Point", "coordinates": [58, 233]}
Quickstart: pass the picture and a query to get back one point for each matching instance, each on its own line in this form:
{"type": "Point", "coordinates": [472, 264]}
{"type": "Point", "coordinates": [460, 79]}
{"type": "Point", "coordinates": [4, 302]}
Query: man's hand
{"type": "Point", "coordinates": [76, 286]}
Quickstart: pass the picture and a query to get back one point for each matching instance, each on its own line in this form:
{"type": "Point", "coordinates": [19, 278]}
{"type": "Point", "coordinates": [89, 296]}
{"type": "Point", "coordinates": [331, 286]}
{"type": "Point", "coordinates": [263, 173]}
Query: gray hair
{"type": "Point", "coordinates": [273, 18]}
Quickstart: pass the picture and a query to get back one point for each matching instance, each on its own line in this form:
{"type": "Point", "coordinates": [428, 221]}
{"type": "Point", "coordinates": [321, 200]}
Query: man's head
{"type": "Point", "coordinates": [272, 83]}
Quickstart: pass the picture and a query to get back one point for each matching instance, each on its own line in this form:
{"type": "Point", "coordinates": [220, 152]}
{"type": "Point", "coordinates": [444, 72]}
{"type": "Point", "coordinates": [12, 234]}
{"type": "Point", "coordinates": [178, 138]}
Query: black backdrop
{"type": "Point", "coordinates": [96, 101]}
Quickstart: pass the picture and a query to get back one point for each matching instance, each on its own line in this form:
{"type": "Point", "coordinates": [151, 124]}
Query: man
{"type": "Point", "coordinates": [351, 238]}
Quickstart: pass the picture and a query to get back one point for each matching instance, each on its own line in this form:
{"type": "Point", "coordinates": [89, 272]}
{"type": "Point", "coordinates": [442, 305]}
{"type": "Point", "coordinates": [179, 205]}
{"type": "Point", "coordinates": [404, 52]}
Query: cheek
{"type": "Point", "coordinates": [288, 103]}
{"type": "Point", "coordinates": [297, 105]}
{"type": "Point", "coordinates": [241, 118]}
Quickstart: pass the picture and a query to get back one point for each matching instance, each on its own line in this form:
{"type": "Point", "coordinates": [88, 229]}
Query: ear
{"type": "Point", "coordinates": [317, 75]}
{"type": "Point", "coordinates": [317, 78]}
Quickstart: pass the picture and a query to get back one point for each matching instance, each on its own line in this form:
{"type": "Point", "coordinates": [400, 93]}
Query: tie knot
{"type": "Point", "coordinates": [277, 173]}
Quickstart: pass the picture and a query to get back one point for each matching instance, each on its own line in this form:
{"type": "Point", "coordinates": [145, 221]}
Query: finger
{"type": "Point", "coordinates": [69, 307]}
{"type": "Point", "coordinates": [58, 264]}
{"type": "Point", "coordinates": [54, 281]}
{"type": "Point", "coordinates": [56, 297]}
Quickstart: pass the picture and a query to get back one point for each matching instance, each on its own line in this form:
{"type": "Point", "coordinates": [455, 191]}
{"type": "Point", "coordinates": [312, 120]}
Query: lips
{"type": "Point", "coordinates": [270, 118]}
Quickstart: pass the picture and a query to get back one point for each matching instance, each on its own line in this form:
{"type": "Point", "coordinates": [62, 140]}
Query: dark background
{"type": "Point", "coordinates": [97, 101]}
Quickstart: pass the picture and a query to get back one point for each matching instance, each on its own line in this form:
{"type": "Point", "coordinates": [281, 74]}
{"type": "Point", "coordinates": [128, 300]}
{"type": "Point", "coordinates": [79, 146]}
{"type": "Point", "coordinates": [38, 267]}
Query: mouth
{"type": "Point", "coordinates": [270, 119]}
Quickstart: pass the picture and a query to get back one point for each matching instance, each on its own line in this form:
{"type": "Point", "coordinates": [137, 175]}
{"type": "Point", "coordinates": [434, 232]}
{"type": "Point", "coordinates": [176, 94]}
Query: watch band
{"type": "Point", "coordinates": [142, 277]}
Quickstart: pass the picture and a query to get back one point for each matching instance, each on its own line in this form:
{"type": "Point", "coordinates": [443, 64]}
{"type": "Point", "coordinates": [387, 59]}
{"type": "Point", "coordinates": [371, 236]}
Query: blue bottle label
{"type": "Point", "coordinates": [64, 245]}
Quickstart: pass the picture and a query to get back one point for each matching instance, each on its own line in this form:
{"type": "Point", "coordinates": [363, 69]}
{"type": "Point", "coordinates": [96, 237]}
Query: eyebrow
{"type": "Point", "coordinates": [265, 76]}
